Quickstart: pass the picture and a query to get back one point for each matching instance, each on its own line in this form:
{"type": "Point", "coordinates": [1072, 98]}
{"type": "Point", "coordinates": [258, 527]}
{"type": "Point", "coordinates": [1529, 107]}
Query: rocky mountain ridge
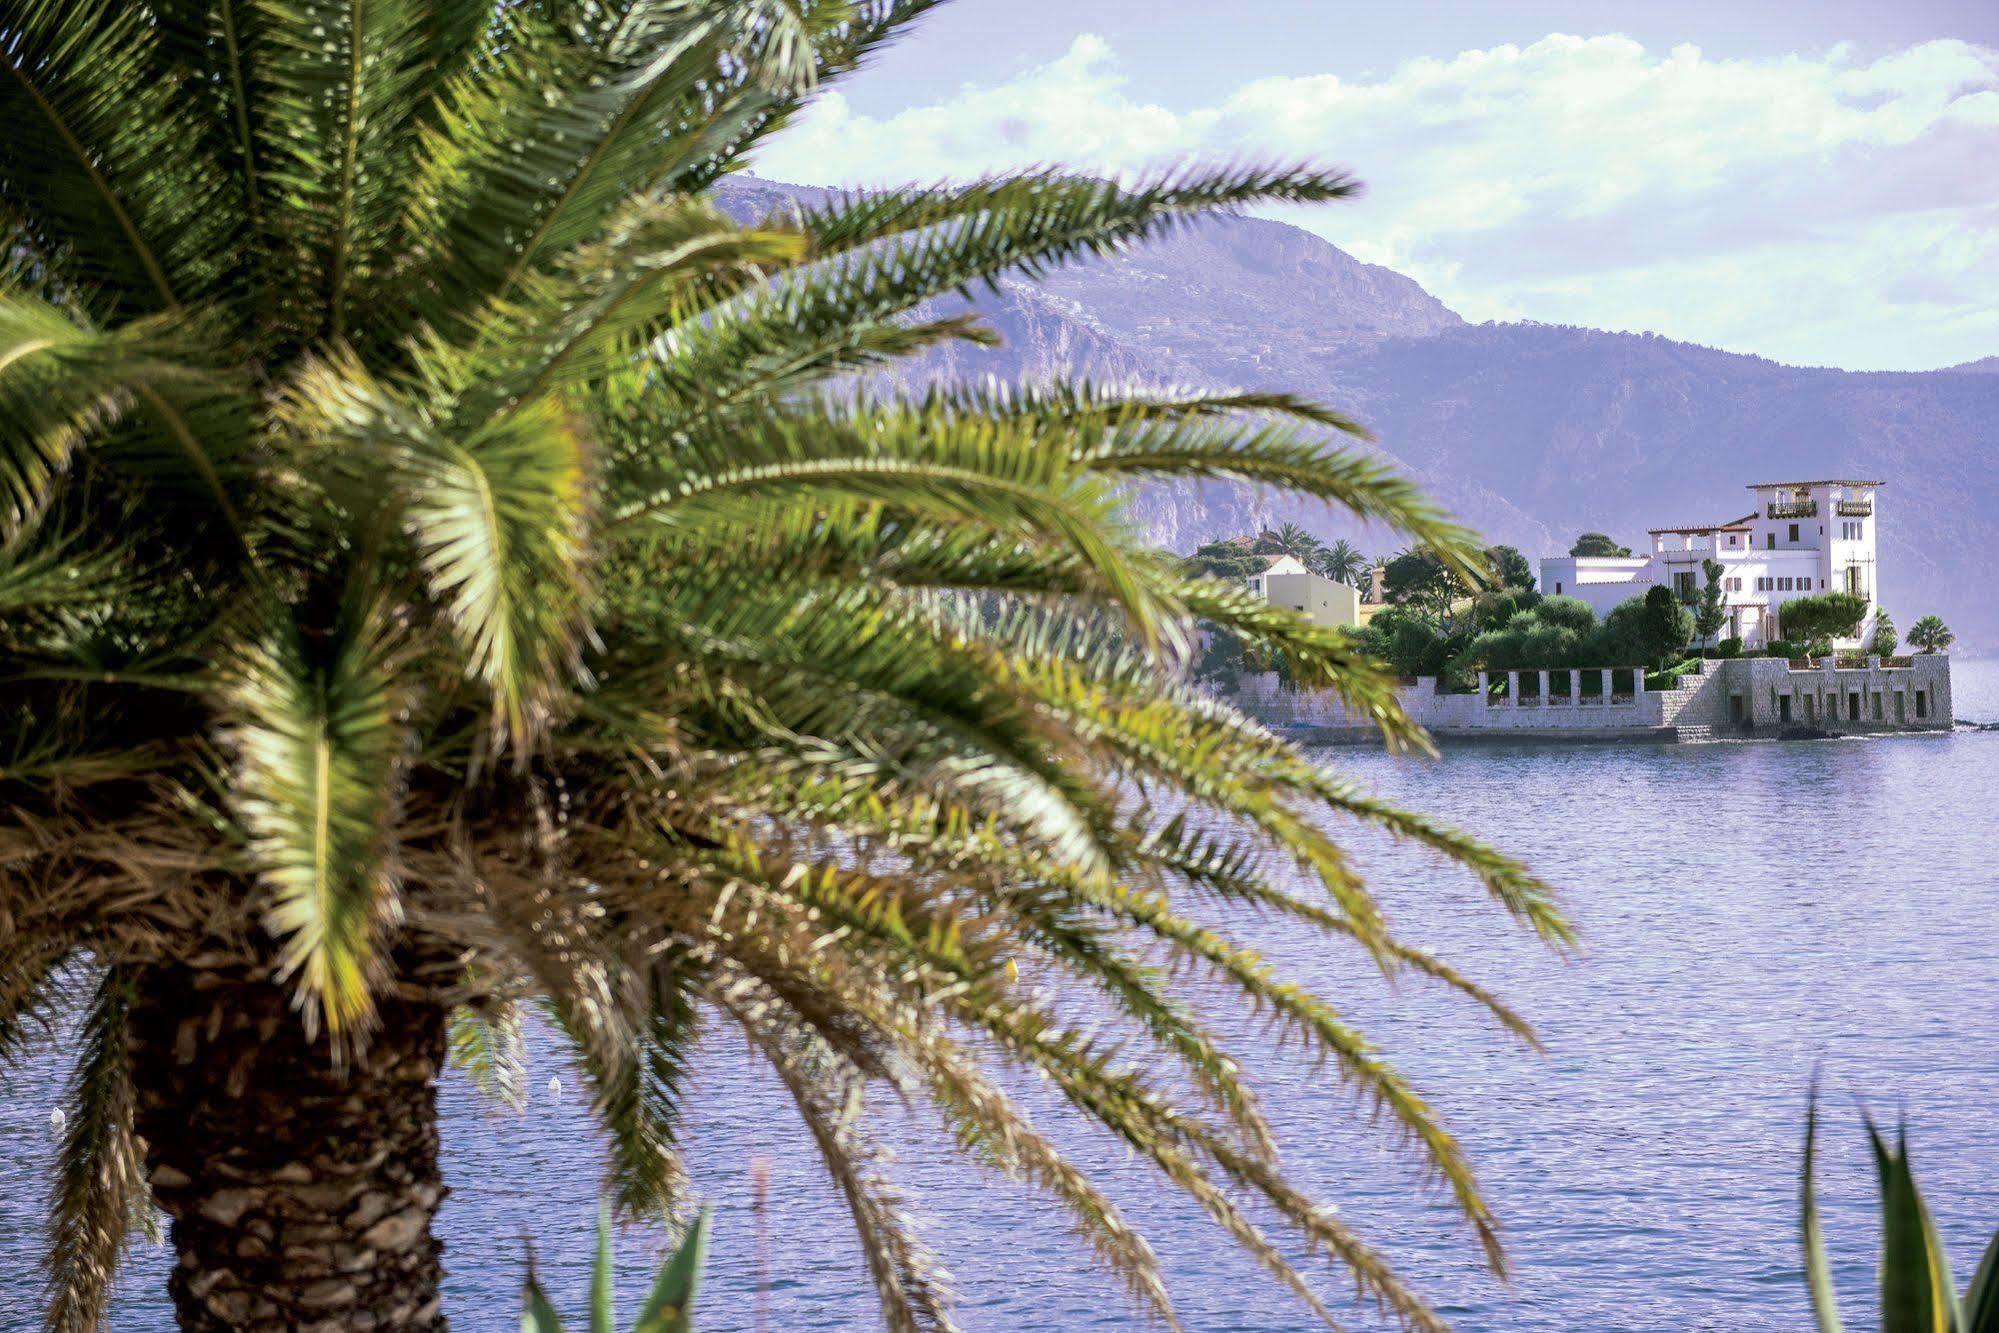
{"type": "Point", "coordinates": [1530, 432]}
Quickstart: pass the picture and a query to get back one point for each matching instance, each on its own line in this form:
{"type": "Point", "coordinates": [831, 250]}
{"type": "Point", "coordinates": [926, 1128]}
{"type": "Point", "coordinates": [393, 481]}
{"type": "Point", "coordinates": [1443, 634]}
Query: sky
{"type": "Point", "coordinates": [1815, 181]}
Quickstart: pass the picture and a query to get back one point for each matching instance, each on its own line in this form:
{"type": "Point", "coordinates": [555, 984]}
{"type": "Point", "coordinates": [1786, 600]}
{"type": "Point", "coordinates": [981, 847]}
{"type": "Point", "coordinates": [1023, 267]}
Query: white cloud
{"type": "Point", "coordinates": [1811, 208]}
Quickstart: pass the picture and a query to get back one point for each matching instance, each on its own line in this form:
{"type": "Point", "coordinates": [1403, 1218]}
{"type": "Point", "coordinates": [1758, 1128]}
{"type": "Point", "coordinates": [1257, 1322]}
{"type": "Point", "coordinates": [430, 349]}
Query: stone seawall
{"type": "Point", "coordinates": [1736, 698]}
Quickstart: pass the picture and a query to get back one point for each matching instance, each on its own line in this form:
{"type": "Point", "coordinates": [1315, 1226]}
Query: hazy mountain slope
{"type": "Point", "coordinates": [1531, 432]}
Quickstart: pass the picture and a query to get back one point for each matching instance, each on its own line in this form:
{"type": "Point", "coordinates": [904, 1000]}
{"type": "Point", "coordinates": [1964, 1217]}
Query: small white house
{"type": "Point", "coordinates": [1802, 538]}
{"type": "Point", "coordinates": [1287, 583]}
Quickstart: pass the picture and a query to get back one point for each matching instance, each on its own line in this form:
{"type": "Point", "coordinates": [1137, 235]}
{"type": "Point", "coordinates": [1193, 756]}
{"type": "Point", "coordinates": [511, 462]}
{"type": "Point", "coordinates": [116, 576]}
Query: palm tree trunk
{"type": "Point", "coordinates": [301, 1196]}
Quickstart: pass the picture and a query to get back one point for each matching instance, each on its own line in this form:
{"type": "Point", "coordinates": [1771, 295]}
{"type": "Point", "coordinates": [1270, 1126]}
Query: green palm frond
{"type": "Point", "coordinates": [497, 513]}
{"type": "Point", "coordinates": [104, 157]}
{"type": "Point", "coordinates": [983, 472]}
{"type": "Point", "coordinates": [499, 520]}
{"type": "Point", "coordinates": [945, 241]}
{"type": "Point", "coordinates": [340, 85]}
{"type": "Point", "coordinates": [486, 1043]}
{"type": "Point", "coordinates": [100, 1180]}
{"type": "Point", "coordinates": [1289, 457]}
{"type": "Point", "coordinates": [318, 745]}
{"type": "Point", "coordinates": [1065, 403]}
{"type": "Point", "coordinates": [660, 262]}
{"type": "Point", "coordinates": [988, 1123]}
{"type": "Point", "coordinates": [914, 1293]}
{"type": "Point", "coordinates": [54, 572]}
{"type": "Point", "coordinates": [1040, 219]}
{"type": "Point", "coordinates": [566, 117]}
{"type": "Point", "coordinates": [64, 383]}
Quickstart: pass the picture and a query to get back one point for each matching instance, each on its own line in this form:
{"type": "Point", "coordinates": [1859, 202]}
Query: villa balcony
{"type": "Point", "coordinates": [1854, 508]}
{"type": "Point", "coordinates": [1794, 509]}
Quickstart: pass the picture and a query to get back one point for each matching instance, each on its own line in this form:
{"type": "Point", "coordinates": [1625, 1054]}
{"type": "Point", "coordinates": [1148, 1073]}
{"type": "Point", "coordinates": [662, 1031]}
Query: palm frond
{"type": "Point", "coordinates": [341, 86]}
{"type": "Point", "coordinates": [940, 241]}
{"type": "Point", "coordinates": [915, 1295]}
{"type": "Point", "coordinates": [317, 740]}
{"type": "Point", "coordinates": [498, 516]}
{"type": "Point", "coordinates": [105, 157]}
{"type": "Point", "coordinates": [499, 521]}
{"type": "Point", "coordinates": [562, 121]}
{"type": "Point", "coordinates": [986, 1122]}
{"type": "Point", "coordinates": [64, 383]}
{"type": "Point", "coordinates": [100, 1182]}
{"type": "Point", "coordinates": [486, 1043]}
{"type": "Point", "coordinates": [969, 471]}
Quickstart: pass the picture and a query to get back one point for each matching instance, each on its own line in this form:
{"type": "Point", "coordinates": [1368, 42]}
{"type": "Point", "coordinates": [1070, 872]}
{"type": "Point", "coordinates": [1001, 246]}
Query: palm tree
{"type": "Point", "coordinates": [1342, 562]}
{"type": "Point", "coordinates": [1293, 541]}
{"type": "Point", "coordinates": [448, 568]}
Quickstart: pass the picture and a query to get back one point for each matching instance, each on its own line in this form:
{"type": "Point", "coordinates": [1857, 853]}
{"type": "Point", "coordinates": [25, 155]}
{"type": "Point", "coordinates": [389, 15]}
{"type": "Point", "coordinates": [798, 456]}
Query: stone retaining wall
{"type": "Point", "coordinates": [1754, 696]}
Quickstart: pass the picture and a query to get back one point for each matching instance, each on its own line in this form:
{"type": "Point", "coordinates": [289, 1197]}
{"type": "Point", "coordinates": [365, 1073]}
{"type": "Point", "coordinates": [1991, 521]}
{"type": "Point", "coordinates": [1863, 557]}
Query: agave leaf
{"type": "Point", "coordinates": [1981, 1298]}
{"type": "Point", "coordinates": [537, 1314]}
{"type": "Point", "coordinates": [603, 1292]}
{"type": "Point", "coordinates": [1918, 1294]}
{"type": "Point", "coordinates": [667, 1308]}
{"type": "Point", "coordinates": [1818, 1270]}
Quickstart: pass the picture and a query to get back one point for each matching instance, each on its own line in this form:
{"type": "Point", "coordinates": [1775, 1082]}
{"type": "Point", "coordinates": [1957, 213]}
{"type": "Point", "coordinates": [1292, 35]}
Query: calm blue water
{"type": "Point", "coordinates": [1750, 911]}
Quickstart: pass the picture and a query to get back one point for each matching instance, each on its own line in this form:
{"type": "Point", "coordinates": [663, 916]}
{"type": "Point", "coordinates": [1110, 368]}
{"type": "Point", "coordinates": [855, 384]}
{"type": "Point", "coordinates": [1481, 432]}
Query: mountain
{"type": "Point", "coordinates": [1984, 365]}
{"type": "Point", "coordinates": [1530, 432]}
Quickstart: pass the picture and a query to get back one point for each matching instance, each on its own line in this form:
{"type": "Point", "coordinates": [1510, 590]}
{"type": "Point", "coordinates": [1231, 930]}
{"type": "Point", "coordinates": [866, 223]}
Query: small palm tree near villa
{"type": "Point", "coordinates": [446, 565]}
{"type": "Point", "coordinates": [1342, 562]}
{"type": "Point", "coordinates": [1931, 635]}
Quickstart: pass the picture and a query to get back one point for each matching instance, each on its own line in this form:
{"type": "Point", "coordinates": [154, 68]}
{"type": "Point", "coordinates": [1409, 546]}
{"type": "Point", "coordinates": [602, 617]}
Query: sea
{"type": "Point", "coordinates": [1753, 917]}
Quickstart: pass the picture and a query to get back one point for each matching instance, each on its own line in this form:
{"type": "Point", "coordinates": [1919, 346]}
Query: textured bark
{"type": "Point", "coordinates": [301, 1196]}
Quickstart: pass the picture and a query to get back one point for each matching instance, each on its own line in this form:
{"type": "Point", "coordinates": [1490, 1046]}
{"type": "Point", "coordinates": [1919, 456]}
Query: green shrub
{"type": "Point", "coordinates": [1221, 662]}
{"type": "Point", "coordinates": [1567, 612]}
{"type": "Point", "coordinates": [1780, 648]}
{"type": "Point", "coordinates": [1728, 648]}
{"type": "Point", "coordinates": [1673, 675]}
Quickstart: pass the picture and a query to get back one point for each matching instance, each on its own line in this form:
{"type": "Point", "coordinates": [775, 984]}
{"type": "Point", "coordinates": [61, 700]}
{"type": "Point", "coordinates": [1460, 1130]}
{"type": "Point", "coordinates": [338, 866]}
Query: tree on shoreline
{"type": "Point", "coordinates": [445, 567]}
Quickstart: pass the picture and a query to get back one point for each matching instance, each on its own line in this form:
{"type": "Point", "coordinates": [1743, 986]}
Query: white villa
{"type": "Point", "coordinates": [1287, 583]}
{"type": "Point", "coordinates": [1803, 538]}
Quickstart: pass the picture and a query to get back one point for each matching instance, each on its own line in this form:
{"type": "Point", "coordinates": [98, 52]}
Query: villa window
{"type": "Point", "coordinates": [1794, 532]}
{"type": "Point", "coordinates": [1771, 543]}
